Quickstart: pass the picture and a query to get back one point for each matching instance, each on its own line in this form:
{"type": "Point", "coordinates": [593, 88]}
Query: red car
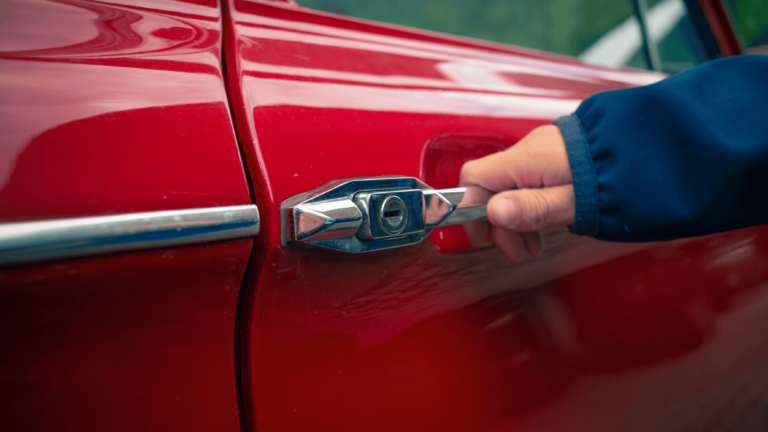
{"type": "Point", "coordinates": [243, 216]}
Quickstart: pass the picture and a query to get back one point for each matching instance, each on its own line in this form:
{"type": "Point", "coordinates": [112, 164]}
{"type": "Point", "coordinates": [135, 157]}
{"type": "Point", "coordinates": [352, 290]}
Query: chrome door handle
{"type": "Point", "coordinates": [368, 214]}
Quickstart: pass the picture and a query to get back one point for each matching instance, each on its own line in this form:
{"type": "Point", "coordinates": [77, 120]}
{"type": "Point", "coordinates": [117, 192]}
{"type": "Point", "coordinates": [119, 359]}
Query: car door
{"type": "Point", "coordinates": [438, 336]}
{"type": "Point", "coordinates": [126, 221]}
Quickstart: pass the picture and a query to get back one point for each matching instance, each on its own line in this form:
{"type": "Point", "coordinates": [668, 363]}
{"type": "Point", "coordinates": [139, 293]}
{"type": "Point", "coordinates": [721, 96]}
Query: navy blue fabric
{"type": "Point", "coordinates": [684, 157]}
{"type": "Point", "coordinates": [584, 176]}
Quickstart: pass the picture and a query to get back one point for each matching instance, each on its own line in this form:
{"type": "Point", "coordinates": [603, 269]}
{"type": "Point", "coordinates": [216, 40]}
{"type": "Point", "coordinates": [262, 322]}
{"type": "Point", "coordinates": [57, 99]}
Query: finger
{"type": "Point", "coordinates": [478, 233]}
{"type": "Point", "coordinates": [509, 243]}
{"type": "Point", "coordinates": [533, 242]}
{"type": "Point", "coordinates": [475, 196]}
{"type": "Point", "coordinates": [538, 160]}
{"type": "Point", "coordinates": [528, 210]}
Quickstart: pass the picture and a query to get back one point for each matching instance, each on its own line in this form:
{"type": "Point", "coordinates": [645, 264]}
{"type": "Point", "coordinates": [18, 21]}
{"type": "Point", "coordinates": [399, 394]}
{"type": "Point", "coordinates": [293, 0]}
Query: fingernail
{"type": "Point", "coordinates": [504, 212]}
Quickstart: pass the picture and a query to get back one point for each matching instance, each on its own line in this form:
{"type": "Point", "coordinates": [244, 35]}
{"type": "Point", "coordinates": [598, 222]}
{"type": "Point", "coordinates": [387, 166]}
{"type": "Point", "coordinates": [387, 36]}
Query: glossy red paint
{"type": "Point", "coordinates": [114, 107]}
{"type": "Point", "coordinates": [126, 342]}
{"type": "Point", "coordinates": [722, 27]}
{"type": "Point", "coordinates": [661, 339]}
{"type": "Point", "coordinates": [589, 336]}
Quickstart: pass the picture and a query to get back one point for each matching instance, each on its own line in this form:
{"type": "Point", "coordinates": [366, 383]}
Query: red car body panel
{"type": "Point", "coordinates": [110, 108]}
{"type": "Point", "coordinates": [126, 342]}
{"type": "Point", "coordinates": [589, 336]}
{"type": "Point", "coordinates": [114, 108]}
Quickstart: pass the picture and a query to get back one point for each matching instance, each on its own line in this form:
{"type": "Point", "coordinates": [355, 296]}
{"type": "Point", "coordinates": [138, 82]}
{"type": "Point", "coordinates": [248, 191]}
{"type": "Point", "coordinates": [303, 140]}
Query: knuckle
{"type": "Point", "coordinates": [536, 210]}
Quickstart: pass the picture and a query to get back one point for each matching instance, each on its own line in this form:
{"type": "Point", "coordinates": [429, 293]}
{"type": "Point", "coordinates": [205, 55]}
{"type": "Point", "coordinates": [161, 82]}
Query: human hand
{"type": "Point", "coordinates": [530, 187]}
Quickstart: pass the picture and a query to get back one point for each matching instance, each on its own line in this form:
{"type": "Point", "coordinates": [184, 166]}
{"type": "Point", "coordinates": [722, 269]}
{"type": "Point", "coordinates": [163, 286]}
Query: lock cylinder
{"type": "Point", "coordinates": [390, 213]}
{"type": "Point", "coordinates": [393, 215]}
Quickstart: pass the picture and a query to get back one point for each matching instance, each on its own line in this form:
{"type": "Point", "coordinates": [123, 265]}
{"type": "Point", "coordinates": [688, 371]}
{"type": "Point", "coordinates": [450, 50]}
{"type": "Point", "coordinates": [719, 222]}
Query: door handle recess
{"type": "Point", "coordinates": [368, 214]}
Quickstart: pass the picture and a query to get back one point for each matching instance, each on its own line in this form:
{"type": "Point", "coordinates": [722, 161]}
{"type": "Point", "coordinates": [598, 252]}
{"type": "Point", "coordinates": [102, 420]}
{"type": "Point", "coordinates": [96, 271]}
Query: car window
{"type": "Point", "coordinates": [604, 32]}
{"type": "Point", "coordinates": [673, 33]}
{"type": "Point", "coordinates": [750, 17]}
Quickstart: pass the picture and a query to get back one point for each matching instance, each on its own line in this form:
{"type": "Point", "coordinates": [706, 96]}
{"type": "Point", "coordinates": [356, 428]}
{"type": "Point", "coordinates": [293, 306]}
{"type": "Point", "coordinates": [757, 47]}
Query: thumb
{"type": "Point", "coordinates": [527, 210]}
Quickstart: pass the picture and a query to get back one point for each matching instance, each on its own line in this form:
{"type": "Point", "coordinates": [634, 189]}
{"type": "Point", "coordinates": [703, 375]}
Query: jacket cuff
{"type": "Point", "coordinates": [584, 176]}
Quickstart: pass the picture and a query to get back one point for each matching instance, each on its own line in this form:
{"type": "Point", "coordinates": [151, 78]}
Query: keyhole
{"type": "Point", "coordinates": [392, 216]}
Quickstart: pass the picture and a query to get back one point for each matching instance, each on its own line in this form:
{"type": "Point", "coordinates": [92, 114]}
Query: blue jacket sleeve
{"type": "Point", "coordinates": [684, 157]}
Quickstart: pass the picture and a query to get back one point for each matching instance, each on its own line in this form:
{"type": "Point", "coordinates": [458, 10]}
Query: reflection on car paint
{"type": "Point", "coordinates": [138, 85]}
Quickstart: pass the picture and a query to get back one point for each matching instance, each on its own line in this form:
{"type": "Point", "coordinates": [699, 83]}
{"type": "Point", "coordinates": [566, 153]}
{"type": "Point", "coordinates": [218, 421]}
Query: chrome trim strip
{"type": "Point", "coordinates": [65, 238]}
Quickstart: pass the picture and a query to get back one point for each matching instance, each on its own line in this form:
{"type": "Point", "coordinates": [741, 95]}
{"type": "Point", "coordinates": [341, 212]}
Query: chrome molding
{"type": "Point", "coordinates": [369, 214]}
{"type": "Point", "coordinates": [65, 238]}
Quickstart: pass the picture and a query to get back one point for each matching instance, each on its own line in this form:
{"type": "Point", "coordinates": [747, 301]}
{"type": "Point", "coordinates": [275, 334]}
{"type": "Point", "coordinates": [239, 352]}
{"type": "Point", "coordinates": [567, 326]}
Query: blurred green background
{"type": "Point", "coordinates": [560, 26]}
{"type": "Point", "coordinates": [751, 20]}
{"type": "Point", "coordinates": [568, 27]}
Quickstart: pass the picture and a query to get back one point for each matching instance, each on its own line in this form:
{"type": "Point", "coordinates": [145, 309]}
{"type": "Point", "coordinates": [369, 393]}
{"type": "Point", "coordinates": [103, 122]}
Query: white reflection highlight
{"type": "Point", "coordinates": [183, 7]}
{"type": "Point", "coordinates": [462, 76]}
{"type": "Point", "coordinates": [38, 96]}
{"type": "Point", "coordinates": [275, 92]}
{"type": "Point", "coordinates": [310, 33]}
{"type": "Point", "coordinates": [26, 25]}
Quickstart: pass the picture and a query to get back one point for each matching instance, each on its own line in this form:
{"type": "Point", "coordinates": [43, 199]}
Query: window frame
{"type": "Point", "coordinates": [700, 24]}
